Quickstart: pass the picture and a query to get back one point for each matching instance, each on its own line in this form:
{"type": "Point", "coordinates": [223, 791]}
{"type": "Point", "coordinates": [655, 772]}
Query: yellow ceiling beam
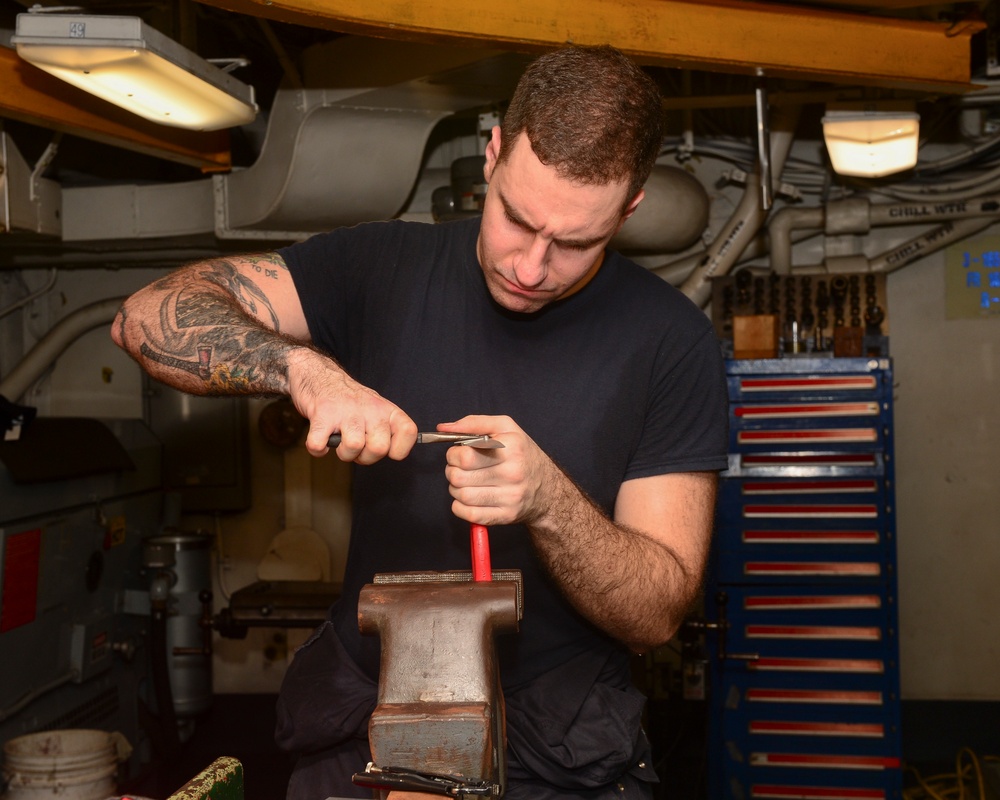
{"type": "Point", "coordinates": [28, 94]}
{"type": "Point", "coordinates": [717, 35]}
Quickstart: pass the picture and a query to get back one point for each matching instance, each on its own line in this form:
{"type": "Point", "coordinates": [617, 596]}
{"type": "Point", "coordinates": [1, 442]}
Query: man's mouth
{"type": "Point", "coordinates": [516, 288]}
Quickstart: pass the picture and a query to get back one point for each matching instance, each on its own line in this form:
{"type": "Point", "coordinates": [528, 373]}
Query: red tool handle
{"type": "Point", "coordinates": [480, 537]}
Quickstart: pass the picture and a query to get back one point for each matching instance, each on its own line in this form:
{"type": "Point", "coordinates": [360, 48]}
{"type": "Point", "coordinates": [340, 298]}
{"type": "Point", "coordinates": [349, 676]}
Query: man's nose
{"type": "Point", "coordinates": [530, 269]}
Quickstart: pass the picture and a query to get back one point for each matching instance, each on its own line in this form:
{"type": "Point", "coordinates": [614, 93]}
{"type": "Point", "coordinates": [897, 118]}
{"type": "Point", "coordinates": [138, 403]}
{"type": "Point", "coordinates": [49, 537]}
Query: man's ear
{"type": "Point", "coordinates": [492, 153]}
{"type": "Point", "coordinates": [633, 204]}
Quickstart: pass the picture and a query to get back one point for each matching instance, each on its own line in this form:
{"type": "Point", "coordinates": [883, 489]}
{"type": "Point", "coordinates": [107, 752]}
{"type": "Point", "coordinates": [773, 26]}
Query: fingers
{"type": "Point", "coordinates": [495, 487]}
{"type": "Point", "coordinates": [366, 440]}
{"type": "Point", "coordinates": [370, 427]}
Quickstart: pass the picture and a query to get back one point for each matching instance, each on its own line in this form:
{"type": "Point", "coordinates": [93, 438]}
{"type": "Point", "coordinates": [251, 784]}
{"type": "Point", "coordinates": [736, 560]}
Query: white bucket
{"type": "Point", "coordinates": [63, 765]}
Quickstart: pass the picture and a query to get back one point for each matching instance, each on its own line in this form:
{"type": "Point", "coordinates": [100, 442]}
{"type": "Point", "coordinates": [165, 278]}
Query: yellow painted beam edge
{"type": "Point", "coordinates": [785, 41]}
{"type": "Point", "coordinates": [28, 94]}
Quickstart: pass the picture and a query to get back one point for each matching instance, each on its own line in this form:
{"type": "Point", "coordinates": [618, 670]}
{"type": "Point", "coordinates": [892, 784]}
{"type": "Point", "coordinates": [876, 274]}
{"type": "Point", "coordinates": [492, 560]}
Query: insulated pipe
{"type": "Point", "coordinates": [931, 211]}
{"type": "Point", "coordinates": [676, 272]}
{"type": "Point", "coordinates": [723, 252]}
{"type": "Point", "coordinates": [902, 254]}
{"type": "Point", "coordinates": [927, 243]}
{"type": "Point", "coordinates": [52, 345]}
{"type": "Point", "coordinates": [779, 231]}
{"type": "Point", "coordinates": [858, 215]}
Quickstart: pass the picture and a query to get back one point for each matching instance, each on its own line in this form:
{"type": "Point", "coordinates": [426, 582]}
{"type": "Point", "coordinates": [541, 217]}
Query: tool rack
{"type": "Point", "coordinates": [803, 652]}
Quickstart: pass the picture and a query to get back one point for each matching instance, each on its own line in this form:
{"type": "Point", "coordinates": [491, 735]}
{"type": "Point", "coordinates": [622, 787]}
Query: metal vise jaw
{"type": "Point", "coordinates": [440, 706]}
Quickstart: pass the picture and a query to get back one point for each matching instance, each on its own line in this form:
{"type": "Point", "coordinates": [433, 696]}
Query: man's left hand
{"type": "Point", "coordinates": [500, 486]}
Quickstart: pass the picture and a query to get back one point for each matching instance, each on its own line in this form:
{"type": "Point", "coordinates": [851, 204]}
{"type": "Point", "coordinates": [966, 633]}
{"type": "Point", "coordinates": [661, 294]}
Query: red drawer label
{"type": "Point", "coordinates": [843, 383]}
{"type": "Point", "coordinates": [821, 696]}
{"type": "Point", "coordinates": [793, 728]}
{"type": "Point", "coordinates": [797, 410]}
{"type": "Point", "coordinates": [822, 760]}
{"type": "Point", "coordinates": [812, 602]}
{"type": "Point", "coordinates": [808, 459]}
{"type": "Point", "coordinates": [815, 793]}
{"type": "Point", "coordinates": [812, 511]}
{"type": "Point", "coordinates": [810, 537]}
{"type": "Point", "coordinates": [844, 569]}
{"type": "Point", "coordinates": [808, 436]}
{"type": "Point", "coordinates": [849, 665]}
{"type": "Point", "coordinates": [810, 487]}
{"type": "Point", "coordinates": [852, 633]}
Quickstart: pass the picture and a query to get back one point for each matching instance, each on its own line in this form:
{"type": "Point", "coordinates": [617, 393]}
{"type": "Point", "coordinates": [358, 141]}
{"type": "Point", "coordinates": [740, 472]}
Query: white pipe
{"type": "Point", "coordinates": [902, 254]}
{"type": "Point", "coordinates": [33, 296]}
{"type": "Point", "coordinates": [934, 211]}
{"type": "Point", "coordinates": [723, 252]}
{"type": "Point", "coordinates": [860, 217]}
{"type": "Point", "coordinates": [779, 231]}
{"type": "Point", "coordinates": [929, 242]}
{"type": "Point", "coordinates": [992, 185]}
{"type": "Point", "coordinates": [52, 345]}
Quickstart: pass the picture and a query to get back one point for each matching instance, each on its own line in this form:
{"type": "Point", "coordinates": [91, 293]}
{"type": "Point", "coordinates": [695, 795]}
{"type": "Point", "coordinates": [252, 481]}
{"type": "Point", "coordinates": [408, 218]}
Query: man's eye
{"type": "Point", "coordinates": [515, 222]}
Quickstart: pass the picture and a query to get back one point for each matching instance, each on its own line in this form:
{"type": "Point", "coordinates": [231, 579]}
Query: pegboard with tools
{"type": "Point", "coordinates": [839, 315]}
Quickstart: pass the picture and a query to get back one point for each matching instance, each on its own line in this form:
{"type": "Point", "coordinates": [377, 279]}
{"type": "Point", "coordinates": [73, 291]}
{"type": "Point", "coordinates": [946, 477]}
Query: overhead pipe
{"type": "Point", "coordinates": [746, 221]}
{"type": "Point", "coordinates": [858, 215]}
{"type": "Point", "coordinates": [928, 243]}
{"type": "Point", "coordinates": [54, 343]}
{"type": "Point", "coordinates": [902, 254]}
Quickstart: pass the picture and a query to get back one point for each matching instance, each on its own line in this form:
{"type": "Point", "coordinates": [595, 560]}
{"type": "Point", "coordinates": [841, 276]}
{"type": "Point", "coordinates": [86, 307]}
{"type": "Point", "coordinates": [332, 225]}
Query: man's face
{"type": "Point", "coordinates": [542, 236]}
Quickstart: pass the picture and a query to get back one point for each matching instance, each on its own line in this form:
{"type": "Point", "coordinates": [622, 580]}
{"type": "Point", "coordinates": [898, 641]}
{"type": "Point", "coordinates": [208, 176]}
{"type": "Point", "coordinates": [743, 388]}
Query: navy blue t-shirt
{"type": "Point", "coordinates": [623, 379]}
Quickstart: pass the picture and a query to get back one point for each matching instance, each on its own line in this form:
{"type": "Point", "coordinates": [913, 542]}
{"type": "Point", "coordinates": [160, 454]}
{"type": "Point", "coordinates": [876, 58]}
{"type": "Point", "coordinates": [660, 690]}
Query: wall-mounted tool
{"type": "Point", "coordinates": [816, 314]}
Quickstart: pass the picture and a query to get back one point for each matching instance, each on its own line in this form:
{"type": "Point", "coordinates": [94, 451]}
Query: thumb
{"type": "Point", "coordinates": [477, 423]}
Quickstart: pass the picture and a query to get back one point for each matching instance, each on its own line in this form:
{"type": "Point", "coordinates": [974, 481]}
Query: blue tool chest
{"type": "Point", "coordinates": [804, 666]}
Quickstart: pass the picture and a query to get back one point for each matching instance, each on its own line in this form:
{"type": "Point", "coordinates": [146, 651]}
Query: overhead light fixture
{"type": "Point", "coordinates": [873, 139]}
{"type": "Point", "coordinates": [124, 61]}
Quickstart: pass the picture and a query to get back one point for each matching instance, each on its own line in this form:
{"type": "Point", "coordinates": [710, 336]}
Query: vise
{"type": "Point", "coordinates": [439, 723]}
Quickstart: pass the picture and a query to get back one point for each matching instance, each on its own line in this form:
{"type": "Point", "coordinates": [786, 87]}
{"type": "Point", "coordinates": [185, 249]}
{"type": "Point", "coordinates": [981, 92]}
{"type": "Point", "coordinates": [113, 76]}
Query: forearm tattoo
{"type": "Point", "coordinates": [214, 336]}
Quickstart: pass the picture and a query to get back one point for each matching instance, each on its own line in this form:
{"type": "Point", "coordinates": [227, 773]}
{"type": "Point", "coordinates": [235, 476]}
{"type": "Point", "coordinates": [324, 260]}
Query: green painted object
{"type": "Point", "coordinates": [220, 780]}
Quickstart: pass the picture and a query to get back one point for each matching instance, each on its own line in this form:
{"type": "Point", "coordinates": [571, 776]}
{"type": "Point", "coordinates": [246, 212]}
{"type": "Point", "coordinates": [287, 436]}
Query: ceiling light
{"type": "Point", "coordinates": [871, 139]}
{"type": "Point", "coordinates": [125, 62]}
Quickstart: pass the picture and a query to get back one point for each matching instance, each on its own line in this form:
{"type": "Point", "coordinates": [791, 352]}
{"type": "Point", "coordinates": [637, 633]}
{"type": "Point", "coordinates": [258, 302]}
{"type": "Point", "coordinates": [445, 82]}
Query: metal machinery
{"type": "Point", "coordinates": [803, 652]}
{"type": "Point", "coordinates": [86, 558]}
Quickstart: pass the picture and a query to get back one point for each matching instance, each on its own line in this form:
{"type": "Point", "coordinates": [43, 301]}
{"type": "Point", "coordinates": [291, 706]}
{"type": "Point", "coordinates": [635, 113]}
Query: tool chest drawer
{"type": "Point", "coordinates": [802, 529]}
{"type": "Point", "coordinates": [808, 379]}
{"type": "Point", "coordinates": [807, 629]}
{"type": "Point", "coordinates": [803, 655]}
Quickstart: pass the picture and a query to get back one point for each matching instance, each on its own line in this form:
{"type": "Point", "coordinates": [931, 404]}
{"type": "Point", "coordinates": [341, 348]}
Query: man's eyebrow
{"type": "Point", "coordinates": [518, 220]}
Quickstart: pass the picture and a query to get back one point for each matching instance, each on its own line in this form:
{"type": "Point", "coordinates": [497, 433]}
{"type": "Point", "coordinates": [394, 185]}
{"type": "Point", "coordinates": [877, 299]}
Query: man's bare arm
{"type": "Point", "coordinates": [210, 327]}
{"type": "Point", "coordinates": [236, 326]}
{"type": "Point", "coordinates": [635, 576]}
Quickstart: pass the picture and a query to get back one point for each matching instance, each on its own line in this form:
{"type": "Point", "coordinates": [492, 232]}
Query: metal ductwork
{"type": "Point", "coordinates": [331, 157]}
{"type": "Point", "coordinates": [324, 164]}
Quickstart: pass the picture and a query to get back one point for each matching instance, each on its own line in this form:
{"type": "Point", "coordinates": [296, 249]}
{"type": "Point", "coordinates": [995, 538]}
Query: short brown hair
{"type": "Point", "coordinates": [589, 112]}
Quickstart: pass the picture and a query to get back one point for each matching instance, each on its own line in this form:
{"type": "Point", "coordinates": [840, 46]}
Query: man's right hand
{"type": "Point", "coordinates": [370, 426]}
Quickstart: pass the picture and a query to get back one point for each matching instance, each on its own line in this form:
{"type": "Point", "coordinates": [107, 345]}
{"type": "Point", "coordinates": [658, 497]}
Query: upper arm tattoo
{"type": "Point", "coordinates": [207, 333]}
{"type": "Point", "coordinates": [246, 291]}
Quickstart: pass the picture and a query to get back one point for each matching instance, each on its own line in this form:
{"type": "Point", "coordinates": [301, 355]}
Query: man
{"type": "Point", "coordinates": [603, 383]}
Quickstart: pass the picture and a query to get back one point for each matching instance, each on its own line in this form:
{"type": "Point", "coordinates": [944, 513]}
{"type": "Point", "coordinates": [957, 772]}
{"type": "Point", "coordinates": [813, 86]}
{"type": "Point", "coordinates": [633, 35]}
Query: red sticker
{"type": "Point", "coordinates": [22, 554]}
